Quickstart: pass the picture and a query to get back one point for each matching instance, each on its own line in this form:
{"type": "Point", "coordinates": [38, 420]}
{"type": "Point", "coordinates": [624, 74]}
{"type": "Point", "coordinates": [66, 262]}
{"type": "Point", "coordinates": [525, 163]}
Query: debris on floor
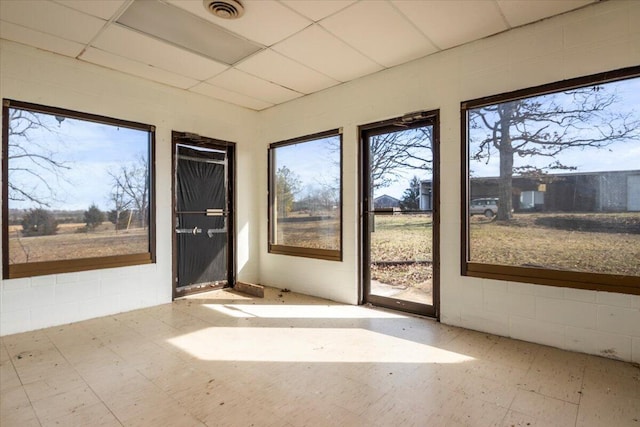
{"type": "Point", "coordinates": [250, 288]}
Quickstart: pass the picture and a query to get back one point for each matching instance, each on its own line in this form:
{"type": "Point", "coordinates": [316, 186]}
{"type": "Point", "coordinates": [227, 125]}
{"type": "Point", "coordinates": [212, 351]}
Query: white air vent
{"type": "Point", "coordinates": [226, 9]}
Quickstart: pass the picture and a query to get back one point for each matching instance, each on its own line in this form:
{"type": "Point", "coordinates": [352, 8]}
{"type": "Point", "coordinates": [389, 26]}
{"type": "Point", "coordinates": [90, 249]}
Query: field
{"type": "Point", "coordinates": [559, 241]}
{"type": "Point", "coordinates": [70, 244]}
{"type": "Point", "coordinates": [401, 257]}
{"type": "Point", "coordinates": [309, 232]}
{"type": "Point", "coordinates": [401, 245]}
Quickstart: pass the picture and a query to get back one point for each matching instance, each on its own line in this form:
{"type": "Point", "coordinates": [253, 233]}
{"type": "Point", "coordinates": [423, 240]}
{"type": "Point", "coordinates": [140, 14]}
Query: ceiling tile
{"type": "Point", "coordinates": [104, 9]}
{"type": "Point", "coordinates": [317, 9]}
{"type": "Point", "coordinates": [379, 31]}
{"type": "Point", "coordinates": [265, 22]}
{"type": "Point", "coordinates": [523, 12]}
{"type": "Point", "coordinates": [473, 20]}
{"type": "Point", "coordinates": [51, 18]}
{"type": "Point", "coordinates": [246, 84]}
{"type": "Point", "coordinates": [141, 48]}
{"type": "Point", "coordinates": [40, 40]}
{"type": "Point", "coordinates": [229, 96]}
{"type": "Point", "coordinates": [272, 66]}
{"type": "Point", "coordinates": [119, 63]}
{"type": "Point", "coordinates": [316, 48]}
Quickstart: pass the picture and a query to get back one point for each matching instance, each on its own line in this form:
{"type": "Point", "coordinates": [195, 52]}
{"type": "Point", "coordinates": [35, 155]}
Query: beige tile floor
{"type": "Point", "coordinates": [222, 359]}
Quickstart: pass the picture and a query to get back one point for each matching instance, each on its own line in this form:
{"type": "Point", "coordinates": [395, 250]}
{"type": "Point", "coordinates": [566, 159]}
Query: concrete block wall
{"type": "Point", "coordinates": [603, 323]}
{"type": "Point", "coordinates": [597, 38]}
{"type": "Point", "coordinates": [33, 303]}
{"type": "Point", "coordinates": [31, 75]}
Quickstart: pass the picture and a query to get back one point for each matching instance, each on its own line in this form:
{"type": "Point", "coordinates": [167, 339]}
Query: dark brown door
{"type": "Point", "coordinates": [203, 214]}
{"type": "Point", "coordinates": [399, 220]}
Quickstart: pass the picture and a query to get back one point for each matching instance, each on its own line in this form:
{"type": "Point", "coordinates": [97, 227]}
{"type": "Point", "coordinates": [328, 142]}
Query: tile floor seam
{"type": "Point", "coordinates": [176, 402]}
{"type": "Point", "coordinates": [84, 380]}
{"type": "Point", "coordinates": [374, 352]}
{"type": "Point", "coordinates": [555, 398]}
{"type": "Point", "coordinates": [21, 384]}
{"type": "Point", "coordinates": [581, 393]}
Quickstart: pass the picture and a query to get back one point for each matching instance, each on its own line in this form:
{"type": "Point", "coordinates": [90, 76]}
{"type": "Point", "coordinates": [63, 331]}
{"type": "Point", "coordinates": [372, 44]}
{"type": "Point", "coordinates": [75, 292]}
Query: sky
{"type": "Point", "coordinates": [315, 163]}
{"type": "Point", "coordinates": [89, 150]}
{"type": "Point", "coordinates": [402, 176]}
{"type": "Point", "coordinates": [617, 156]}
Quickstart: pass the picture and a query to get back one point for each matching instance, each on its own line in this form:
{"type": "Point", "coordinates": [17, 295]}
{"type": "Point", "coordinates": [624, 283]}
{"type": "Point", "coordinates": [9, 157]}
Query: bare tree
{"type": "Point", "coordinates": [32, 158]}
{"type": "Point", "coordinates": [321, 198]}
{"type": "Point", "coordinates": [391, 153]}
{"type": "Point", "coordinates": [121, 202]}
{"type": "Point", "coordinates": [543, 127]}
{"type": "Point", "coordinates": [131, 182]}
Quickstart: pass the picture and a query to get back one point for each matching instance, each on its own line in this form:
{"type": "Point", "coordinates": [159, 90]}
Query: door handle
{"type": "Point", "coordinates": [213, 231]}
{"type": "Point", "coordinates": [194, 230]}
{"type": "Point", "coordinates": [215, 212]}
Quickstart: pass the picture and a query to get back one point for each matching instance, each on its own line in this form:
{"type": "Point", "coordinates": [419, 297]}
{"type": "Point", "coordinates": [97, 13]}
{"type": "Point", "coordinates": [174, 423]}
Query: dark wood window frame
{"type": "Point", "coordinates": [541, 276]}
{"type": "Point", "coordinates": [274, 248]}
{"type": "Point", "coordinates": [79, 264]}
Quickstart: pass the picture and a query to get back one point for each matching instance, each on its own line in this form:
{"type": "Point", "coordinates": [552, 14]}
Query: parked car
{"type": "Point", "coordinates": [487, 207]}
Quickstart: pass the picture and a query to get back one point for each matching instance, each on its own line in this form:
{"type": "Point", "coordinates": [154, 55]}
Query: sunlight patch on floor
{"type": "Point", "coordinates": [347, 345]}
{"type": "Point", "coordinates": [302, 311]}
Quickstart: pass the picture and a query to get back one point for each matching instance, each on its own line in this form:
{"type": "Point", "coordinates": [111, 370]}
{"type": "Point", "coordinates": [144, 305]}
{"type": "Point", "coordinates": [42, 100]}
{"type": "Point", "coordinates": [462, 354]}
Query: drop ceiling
{"type": "Point", "coordinates": [277, 51]}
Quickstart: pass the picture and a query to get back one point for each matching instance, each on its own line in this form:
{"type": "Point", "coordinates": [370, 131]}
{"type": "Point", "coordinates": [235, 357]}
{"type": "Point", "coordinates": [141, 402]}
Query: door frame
{"type": "Point", "coordinates": [186, 138]}
{"type": "Point", "coordinates": [410, 120]}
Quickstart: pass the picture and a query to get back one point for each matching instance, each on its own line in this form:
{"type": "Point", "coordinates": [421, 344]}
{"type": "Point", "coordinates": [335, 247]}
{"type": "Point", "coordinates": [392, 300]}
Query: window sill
{"type": "Point", "coordinates": [74, 265]}
{"type": "Point", "coordinates": [567, 279]}
{"type": "Point", "coordinates": [324, 254]}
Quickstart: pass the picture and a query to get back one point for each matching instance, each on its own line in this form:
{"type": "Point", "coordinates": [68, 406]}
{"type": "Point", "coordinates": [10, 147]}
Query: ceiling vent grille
{"type": "Point", "coordinates": [226, 9]}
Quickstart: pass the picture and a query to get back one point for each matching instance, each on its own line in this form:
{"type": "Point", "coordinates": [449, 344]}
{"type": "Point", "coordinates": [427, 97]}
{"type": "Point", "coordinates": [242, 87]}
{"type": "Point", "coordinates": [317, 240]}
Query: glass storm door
{"type": "Point", "coordinates": [399, 221]}
{"type": "Point", "coordinates": [202, 214]}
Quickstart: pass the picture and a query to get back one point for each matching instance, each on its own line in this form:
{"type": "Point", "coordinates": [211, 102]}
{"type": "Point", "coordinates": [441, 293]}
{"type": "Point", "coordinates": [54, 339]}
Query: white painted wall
{"type": "Point", "coordinates": [34, 76]}
{"type": "Point", "coordinates": [601, 37]}
{"type": "Point", "coordinates": [598, 38]}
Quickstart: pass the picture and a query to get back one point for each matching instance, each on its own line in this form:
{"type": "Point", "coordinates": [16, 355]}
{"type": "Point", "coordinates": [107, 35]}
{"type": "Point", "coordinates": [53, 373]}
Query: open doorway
{"type": "Point", "coordinates": [203, 212]}
{"type": "Point", "coordinates": [400, 216]}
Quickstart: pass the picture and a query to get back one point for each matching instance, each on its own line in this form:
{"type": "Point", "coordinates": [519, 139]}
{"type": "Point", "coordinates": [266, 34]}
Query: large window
{"type": "Point", "coordinates": [77, 191]}
{"type": "Point", "coordinates": [305, 194]}
{"type": "Point", "coordinates": [552, 185]}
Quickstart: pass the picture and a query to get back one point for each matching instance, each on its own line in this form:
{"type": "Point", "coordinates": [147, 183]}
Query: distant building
{"type": "Point", "coordinates": [385, 201]}
{"type": "Point", "coordinates": [426, 196]}
{"type": "Point", "coordinates": [613, 191]}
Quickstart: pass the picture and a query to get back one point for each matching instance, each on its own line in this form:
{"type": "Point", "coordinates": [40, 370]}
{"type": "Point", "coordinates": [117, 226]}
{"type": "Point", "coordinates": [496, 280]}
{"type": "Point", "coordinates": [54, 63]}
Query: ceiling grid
{"type": "Point", "coordinates": [276, 51]}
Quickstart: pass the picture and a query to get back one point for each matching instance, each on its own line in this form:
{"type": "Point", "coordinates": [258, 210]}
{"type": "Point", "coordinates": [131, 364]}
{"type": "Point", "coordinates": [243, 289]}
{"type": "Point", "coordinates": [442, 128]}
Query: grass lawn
{"type": "Point", "coordinates": [523, 242]}
{"type": "Point", "coordinates": [399, 238]}
{"type": "Point", "coordinates": [68, 244]}
{"type": "Point", "coordinates": [309, 232]}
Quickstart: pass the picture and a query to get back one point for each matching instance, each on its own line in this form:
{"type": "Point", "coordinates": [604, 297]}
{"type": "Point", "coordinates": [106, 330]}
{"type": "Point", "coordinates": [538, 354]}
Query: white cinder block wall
{"type": "Point", "coordinates": [31, 75]}
{"type": "Point", "coordinates": [601, 37]}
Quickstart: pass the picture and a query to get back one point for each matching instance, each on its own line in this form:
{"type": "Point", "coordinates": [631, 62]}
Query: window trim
{"type": "Point", "coordinates": [541, 276]}
{"type": "Point", "coordinates": [317, 253]}
{"type": "Point", "coordinates": [78, 264]}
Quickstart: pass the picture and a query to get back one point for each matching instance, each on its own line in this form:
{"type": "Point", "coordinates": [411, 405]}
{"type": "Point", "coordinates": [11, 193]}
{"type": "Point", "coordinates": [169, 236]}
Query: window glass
{"type": "Point", "coordinates": [554, 182]}
{"type": "Point", "coordinates": [305, 196]}
{"type": "Point", "coordinates": [77, 188]}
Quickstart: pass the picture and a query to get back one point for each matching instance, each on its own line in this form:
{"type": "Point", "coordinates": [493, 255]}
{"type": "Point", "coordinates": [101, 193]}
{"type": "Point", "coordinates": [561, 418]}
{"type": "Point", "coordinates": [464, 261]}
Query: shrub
{"type": "Point", "coordinates": [39, 222]}
{"type": "Point", "coordinates": [93, 217]}
{"type": "Point", "coordinates": [122, 220]}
